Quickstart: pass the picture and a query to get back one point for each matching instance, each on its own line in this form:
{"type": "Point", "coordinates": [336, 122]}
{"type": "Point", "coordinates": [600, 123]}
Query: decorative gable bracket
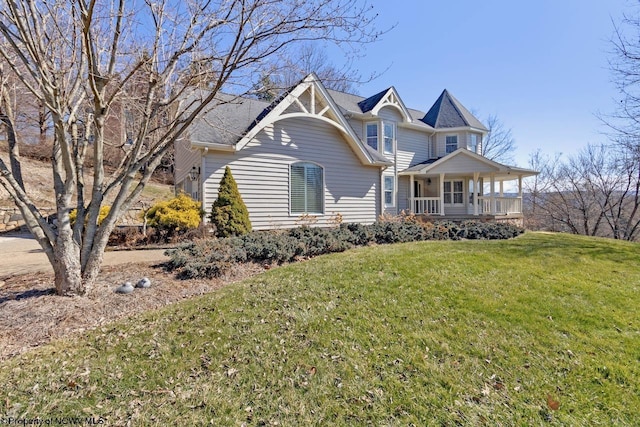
{"type": "Point", "coordinates": [308, 99]}
{"type": "Point", "coordinates": [391, 99]}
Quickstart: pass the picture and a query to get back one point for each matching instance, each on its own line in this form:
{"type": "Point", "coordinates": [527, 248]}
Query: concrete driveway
{"type": "Point", "coordinates": [21, 253]}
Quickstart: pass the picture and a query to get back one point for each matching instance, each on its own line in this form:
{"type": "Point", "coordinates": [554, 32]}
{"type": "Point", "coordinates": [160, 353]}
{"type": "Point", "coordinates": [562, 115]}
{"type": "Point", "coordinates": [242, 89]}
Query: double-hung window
{"type": "Point", "coordinates": [372, 135]}
{"type": "Point", "coordinates": [451, 143]}
{"type": "Point", "coordinates": [473, 143]}
{"type": "Point", "coordinates": [307, 188]}
{"type": "Point", "coordinates": [453, 192]}
{"type": "Point", "coordinates": [389, 137]}
{"type": "Point", "coordinates": [389, 191]}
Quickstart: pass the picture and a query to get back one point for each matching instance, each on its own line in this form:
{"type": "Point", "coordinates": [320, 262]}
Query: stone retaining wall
{"type": "Point", "coordinates": [11, 218]}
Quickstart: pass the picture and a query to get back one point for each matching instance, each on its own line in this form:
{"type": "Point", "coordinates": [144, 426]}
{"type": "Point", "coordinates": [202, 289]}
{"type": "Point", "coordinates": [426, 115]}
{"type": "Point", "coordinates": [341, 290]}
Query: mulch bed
{"type": "Point", "coordinates": [32, 315]}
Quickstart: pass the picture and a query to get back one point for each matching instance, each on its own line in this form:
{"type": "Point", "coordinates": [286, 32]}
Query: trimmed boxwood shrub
{"type": "Point", "coordinates": [215, 257]}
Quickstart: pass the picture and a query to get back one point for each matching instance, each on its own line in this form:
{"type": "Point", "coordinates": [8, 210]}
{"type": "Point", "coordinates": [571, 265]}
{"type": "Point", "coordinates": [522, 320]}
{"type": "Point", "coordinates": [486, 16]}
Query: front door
{"type": "Point", "coordinates": [417, 189]}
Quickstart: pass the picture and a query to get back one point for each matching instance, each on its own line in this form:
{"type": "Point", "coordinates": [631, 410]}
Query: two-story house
{"type": "Point", "coordinates": [320, 153]}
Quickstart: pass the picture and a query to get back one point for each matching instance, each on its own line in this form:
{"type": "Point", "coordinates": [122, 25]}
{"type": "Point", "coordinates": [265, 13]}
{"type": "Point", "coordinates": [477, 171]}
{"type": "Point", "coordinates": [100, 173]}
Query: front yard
{"type": "Point", "coordinates": [539, 329]}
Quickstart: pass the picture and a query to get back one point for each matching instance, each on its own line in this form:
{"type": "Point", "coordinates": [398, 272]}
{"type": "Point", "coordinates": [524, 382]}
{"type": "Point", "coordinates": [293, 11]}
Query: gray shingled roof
{"type": "Point", "coordinates": [352, 103]}
{"type": "Point", "coordinates": [448, 112]}
{"type": "Point", "coordinates": [228, 119]}
{"type": "Point", "coordinates": [232, 117]}
{"type": "Point", "coordinates": [345, 101]}
{"type": "Point", "coordinates": [420, 166]}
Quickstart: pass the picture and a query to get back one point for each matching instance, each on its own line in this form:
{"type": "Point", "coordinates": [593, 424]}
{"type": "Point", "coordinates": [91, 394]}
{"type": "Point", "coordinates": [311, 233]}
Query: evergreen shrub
{"type": "Point", "coordinates": [177, 215]}
{"type": "Point", "coordinates": [229, 213]}
{"type": "Point", "coordinates": [104, 211]}
{"type": "Point", "coordinates": [214, 257]}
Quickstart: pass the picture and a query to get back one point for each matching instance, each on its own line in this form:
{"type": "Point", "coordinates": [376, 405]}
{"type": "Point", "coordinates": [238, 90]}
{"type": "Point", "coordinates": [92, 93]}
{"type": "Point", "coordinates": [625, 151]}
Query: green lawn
{"type": "Point", "coordinates": [542, 329]}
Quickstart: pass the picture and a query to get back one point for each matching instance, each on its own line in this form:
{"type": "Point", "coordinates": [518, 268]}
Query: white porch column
{"type": "Point", "coordinates": [520, 186]}
{"type": "Point", "coordinates": [492, 197]}
{"type": "Point", "coordinates": [412, 192]}
{"type": "Point", "coordinates": [476, 184]}
{"type": "Point", "coordinates": [442, 194]}
{"type": "Point", "coordinates": [520, 193]}
{"type": "Point", "coordinates": [501, 188]}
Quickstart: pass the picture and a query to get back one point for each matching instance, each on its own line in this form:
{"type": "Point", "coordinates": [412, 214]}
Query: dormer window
{"type": "Point", "coordinates": [372, 135]}
{"type": "Point", "coordinates": [451, 143]}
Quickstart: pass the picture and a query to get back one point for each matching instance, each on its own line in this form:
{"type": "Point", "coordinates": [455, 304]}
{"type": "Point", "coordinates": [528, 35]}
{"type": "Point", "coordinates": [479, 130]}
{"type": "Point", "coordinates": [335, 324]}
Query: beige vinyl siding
{"type": "Point", "coordinates": [440, 144]}
{"type": "Point", "coordinates": [358, 128]}
{"type": "Point", "coordinates": [261, 170]}
{"type": "Point", "coordinates": [390, 113]}
{"type": "Point", "coordinates": [463, 164]}
{"type": "Point", "coordinates": [185, 158]}
{"type": "Point", "coordinates": [404, 192]}
{"type": "Point", "coordinates": [413, 147]}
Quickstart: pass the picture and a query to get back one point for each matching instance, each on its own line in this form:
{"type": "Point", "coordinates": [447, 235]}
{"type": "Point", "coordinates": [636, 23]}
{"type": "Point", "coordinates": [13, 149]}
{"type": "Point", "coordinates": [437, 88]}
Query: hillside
{"type": "Point", "coordinates": [39, 185]}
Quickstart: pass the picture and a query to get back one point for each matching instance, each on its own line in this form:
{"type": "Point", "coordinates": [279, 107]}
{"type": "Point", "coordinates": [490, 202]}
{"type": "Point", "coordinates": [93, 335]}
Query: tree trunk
{"type": "Point", "coordinates": [42, 125]}
{"type": "Point", "coordinates": [66, 265]}
{"type": "Point", "coordinates": [12, 141]}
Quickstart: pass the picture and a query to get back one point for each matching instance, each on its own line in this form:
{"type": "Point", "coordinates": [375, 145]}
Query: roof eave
{"type": "Point", "coordinates": [213, 146]}
{"type": "Point", "coordinates": [461, 128]}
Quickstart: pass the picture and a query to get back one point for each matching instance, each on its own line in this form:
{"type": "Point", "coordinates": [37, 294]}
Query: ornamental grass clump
{"type": "Point", "coordinates": [229, 213]}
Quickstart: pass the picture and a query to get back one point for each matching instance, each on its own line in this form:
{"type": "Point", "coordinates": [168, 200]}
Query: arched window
{"type": "Point", "coordinates": [307, 188]}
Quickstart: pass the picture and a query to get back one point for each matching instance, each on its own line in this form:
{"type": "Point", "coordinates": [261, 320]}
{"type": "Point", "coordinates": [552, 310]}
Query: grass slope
{"type": "Point", "coordinates": [540, 329]}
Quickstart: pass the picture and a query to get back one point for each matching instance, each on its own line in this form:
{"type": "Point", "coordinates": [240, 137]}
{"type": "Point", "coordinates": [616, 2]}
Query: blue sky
{"type": "Point", "coordinates": [541, 66]}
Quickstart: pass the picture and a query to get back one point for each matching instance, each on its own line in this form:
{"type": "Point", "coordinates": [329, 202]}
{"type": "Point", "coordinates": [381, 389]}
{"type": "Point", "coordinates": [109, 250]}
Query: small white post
{"type": "Point", "coordinates": [476, 184]}
{"type": "Point", "coordinates": [493, 194]}
{"type": "Point", "coordinates": [441, 194]}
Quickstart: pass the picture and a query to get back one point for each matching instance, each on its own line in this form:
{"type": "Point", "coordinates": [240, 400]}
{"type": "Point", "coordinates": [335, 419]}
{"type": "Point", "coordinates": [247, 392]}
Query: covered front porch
{"type": "Point", "coordinates": [444, 188]}
{"type": "Point", "coordinates": [454, 195]}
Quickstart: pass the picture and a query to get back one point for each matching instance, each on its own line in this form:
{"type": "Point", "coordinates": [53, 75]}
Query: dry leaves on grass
{"type": "Point", "coordinates": [32, 315]}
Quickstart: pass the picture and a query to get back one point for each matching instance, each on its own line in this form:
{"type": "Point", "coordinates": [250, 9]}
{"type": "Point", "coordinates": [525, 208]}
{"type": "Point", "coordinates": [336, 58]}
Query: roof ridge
{"type": "Point", "coordinates": [455, 103]}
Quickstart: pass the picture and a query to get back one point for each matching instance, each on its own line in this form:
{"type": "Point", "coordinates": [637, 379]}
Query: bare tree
{"type": "Point", "coordinates": [499, 144]}
{"type": "Point", "coordinates": [595, 193]}
{"type": "Point", "coordinates": [537, 188]}
{"type": "Point", "coordinates": [8, 120]}
{"type": "Point", "coordinates": [83, 58]}
{"type": "Point", "coordinates": [289, 68]}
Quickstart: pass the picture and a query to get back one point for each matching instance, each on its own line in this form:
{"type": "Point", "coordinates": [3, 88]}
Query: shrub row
{"type": "Point", "coordinates": [208, 258]}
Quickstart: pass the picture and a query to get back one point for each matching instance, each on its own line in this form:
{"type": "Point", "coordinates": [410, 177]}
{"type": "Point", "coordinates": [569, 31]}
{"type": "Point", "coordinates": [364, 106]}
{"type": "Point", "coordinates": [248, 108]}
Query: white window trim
{"type": "Point", "coordinates": [446, 145]}
{"type": "Point", "coordinates": [393, 137]}
{"type": "Point", "coordinates": [452, 192]}
{"type": "Point", "coordinates": [366, 134]}
{"type": "Point", "coordinates": [291, 213]}
{"type": "Point", "coordinates": [393, 191]}
{"type": "Point", "coordinates": [470, 146]}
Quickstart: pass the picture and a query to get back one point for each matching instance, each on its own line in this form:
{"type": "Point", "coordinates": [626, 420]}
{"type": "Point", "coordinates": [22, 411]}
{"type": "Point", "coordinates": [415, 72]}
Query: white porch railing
{"type": "Point", "coordinates": [425, 205]}
{"type": "Point", "coordinates": [504, 205]}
